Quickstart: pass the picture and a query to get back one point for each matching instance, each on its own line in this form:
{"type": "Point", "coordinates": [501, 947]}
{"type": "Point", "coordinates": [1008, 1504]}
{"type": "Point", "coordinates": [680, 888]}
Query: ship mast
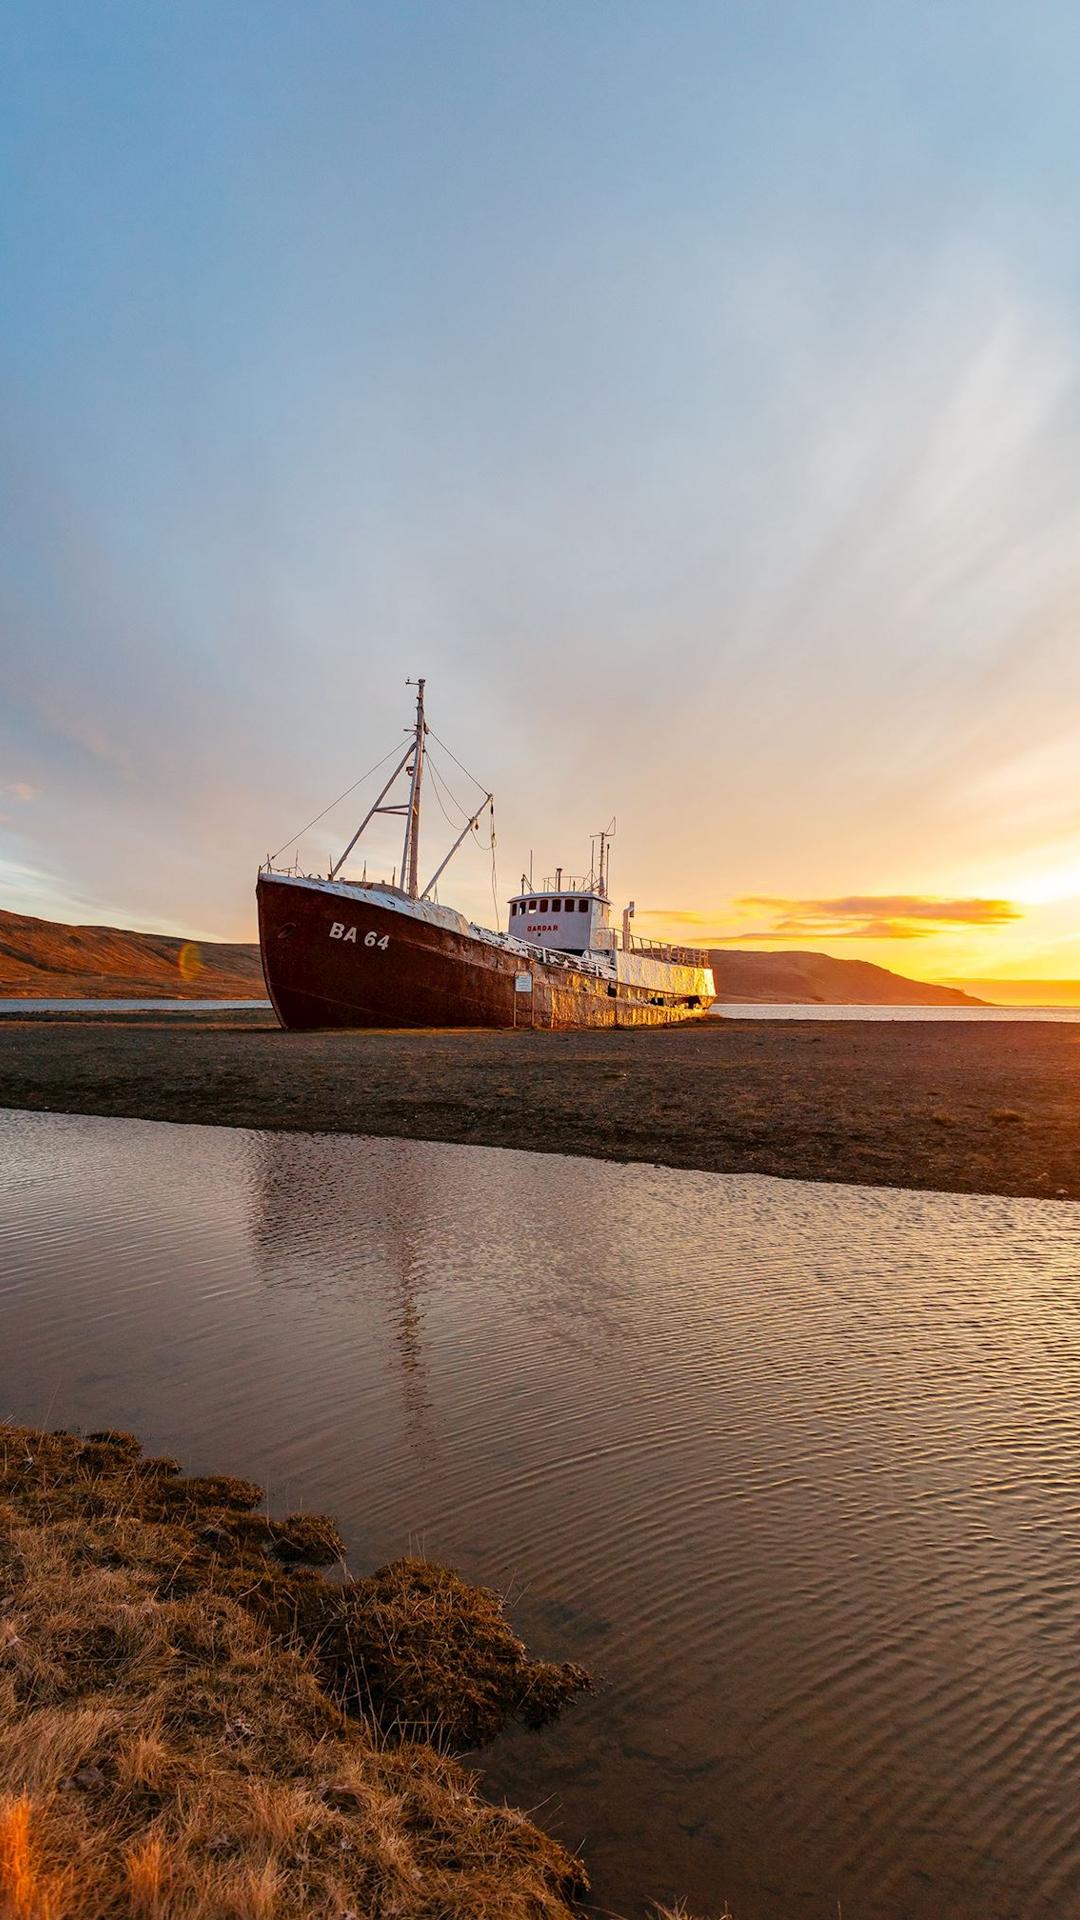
{"type": "Point", "coordinates": [411, 763]}
{"type": "Point", "coordinates": [410, 852]}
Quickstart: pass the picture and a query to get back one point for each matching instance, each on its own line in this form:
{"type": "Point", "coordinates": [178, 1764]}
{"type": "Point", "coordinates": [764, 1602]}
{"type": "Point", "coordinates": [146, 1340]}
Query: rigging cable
{"type": "Point", "coordinates": [439, 782]}
{"type": "Point", "coordinates": [494, 873]}
{"type": "Point", "coordinates": [457, 763]}
{"type": "Point", "coordinates": [440, 787]}
{"type": "Point", "coordinates": [335, 803]}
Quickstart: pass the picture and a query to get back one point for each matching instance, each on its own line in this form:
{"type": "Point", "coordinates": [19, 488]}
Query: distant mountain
{"type": "Point", "coordinates": [41, 959]}
{"type": "Point", "coordinates": [816, 977]}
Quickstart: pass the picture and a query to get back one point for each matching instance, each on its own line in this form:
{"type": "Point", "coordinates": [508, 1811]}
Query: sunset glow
{"type": "Point", "coordinates": [709, 444]}
{"type": "Point", "coordinates": [540, 957]}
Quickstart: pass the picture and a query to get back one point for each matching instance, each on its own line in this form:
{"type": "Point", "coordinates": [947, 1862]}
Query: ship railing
{"type": "Point", "coordinates": [664, 949]}
{"type": "Point", "coordinates": [572, 962]}
{"type": "Point", "coordinates": [370, 881]}
{"type": "Point", "coordinates": [292, 872]}
{"type": "Point", "coordinates": [558, 957]}
{"type": "Point", "coordinates": [654, 949]}
{"type": "Point", "coordinates": [565, 883]}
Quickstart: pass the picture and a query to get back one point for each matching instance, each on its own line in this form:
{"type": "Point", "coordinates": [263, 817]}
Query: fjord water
{"type": "Point", "coordinates": [795, 1469]}
{"type": "Point", "coordinates": [30, 1008]}
{"type": "Point", "coordinates": [951, 1016]}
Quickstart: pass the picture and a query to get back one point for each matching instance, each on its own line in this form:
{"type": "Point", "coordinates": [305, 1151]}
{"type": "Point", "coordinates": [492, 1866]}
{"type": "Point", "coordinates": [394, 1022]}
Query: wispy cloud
{"type": "Point", "coordinates": [27, 888]}
{"type": "Point", "coordinates": [866, 916]}
{"type": "Point", "coordinates": [814, 486]}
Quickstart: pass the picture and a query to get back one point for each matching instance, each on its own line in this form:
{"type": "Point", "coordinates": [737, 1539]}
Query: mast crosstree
{"type": "Point", "coordinates": [410, 852]}
{"type": "Point", "coordinates": [411, 763]}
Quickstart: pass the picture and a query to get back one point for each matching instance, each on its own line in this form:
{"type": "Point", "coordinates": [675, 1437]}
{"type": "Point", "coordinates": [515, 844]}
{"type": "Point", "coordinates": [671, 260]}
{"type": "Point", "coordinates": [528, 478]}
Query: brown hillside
{"type": "Point", "coordinates": [816, 978]}
{"type": "Point", "coordinates": [42, 959]}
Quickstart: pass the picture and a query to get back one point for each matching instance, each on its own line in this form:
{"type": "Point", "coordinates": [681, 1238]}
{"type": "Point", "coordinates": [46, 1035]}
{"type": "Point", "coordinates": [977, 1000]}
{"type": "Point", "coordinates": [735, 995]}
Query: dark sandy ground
{"type": "Point", "coordinates": [964, 1108]}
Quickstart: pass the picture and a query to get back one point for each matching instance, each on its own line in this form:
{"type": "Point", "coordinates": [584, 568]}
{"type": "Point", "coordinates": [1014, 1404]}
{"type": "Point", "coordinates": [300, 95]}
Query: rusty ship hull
{"type": "Point", "coordinates": [336, 955]}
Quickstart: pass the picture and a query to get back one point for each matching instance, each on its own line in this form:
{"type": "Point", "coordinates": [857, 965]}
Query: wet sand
{"type": "Point", "coordinates": [964, 1108]}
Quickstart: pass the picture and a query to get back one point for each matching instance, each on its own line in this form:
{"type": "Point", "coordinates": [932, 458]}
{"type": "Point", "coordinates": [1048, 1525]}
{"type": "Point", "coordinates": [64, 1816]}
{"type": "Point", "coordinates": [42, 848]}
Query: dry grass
{"type": "Point", "coordinates": [175, 1742]}
{"type": "Point", "coordinates": [679, 1912]}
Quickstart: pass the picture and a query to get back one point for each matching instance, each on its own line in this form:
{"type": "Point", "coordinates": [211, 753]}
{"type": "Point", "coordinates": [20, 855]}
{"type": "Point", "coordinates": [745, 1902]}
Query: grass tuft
{"type": "Point", "coordinates": [196, 1724]}
{"type": "Point", "coordinates": [145, 1866]}
{"type": "Point", "coordinates": [16, 1871]}
{"type": "Point", "coordinates": [27, 1892]}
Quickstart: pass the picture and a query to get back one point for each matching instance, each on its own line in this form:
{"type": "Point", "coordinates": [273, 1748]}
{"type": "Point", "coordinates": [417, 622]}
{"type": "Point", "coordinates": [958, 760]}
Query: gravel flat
{"type": "Point", "coordinates": [965, 1108]}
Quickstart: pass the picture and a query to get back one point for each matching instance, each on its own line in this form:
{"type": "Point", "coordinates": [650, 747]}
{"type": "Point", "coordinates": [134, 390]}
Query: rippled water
{"type": "Point", "coordinates": [795, 1469]}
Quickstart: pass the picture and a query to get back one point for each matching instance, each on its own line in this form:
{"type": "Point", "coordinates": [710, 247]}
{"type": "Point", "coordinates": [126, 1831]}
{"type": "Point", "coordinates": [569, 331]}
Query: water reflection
{"type": "Point", "coordinates": [323, 1222]}
{"type": "Point", "coordinates": [795, 1468]}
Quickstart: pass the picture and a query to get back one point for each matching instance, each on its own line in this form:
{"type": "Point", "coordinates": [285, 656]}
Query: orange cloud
{"type": "Point", "coordinates": [889, 916]}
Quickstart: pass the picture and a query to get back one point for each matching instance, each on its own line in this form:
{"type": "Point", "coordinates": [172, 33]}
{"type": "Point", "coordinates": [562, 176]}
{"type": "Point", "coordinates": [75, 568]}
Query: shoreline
{"type": "Point", "coordinates": [183, 1725]}
{"type": "Point", "coordinates": [965, 1108]}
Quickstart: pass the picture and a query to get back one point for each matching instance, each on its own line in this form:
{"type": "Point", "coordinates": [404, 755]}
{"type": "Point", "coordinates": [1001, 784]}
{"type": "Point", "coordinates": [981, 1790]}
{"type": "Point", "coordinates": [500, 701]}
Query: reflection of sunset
{"type": "Point", "coordinates": [189, 961]}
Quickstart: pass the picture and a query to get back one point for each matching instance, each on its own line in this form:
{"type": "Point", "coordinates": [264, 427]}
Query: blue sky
{"type": "Point", "coordinates": [690, 391]}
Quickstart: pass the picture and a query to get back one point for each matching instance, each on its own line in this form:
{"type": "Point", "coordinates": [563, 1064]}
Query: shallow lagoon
{"type": "Point", "coordinates": [795, 1469]}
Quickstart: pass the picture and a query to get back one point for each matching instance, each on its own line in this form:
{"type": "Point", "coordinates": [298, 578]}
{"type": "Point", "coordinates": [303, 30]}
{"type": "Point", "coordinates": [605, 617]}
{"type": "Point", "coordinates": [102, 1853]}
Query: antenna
{"type": "Point", "coordinates": [605, 854]}
{"type": "Point", "coordinates": [410, 852]}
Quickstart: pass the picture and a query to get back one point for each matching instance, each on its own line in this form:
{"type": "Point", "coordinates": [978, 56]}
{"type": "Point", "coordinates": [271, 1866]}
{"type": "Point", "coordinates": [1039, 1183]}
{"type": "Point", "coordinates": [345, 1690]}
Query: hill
{"type": "Point", "coordinates": [41, 959]}
{"type": "Point", "coordinates": [817, 978]}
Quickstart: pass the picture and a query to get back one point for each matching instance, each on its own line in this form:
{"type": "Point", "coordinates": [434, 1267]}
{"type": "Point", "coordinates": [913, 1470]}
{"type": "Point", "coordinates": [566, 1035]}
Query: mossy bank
{"type": "Point", "coordinates": [197, 1721]}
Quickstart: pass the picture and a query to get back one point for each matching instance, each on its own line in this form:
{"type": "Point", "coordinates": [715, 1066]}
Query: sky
{"type": "Point", "coordinates": [691, 392]}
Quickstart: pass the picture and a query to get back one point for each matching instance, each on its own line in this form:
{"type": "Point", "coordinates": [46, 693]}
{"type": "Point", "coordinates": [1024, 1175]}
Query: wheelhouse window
{"type": "Point", "coordinates": [543, 906]}
{"type": "Point", "coordinates": [583, 906]}
{"type": "Point", "coordinates": [532, 906]}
